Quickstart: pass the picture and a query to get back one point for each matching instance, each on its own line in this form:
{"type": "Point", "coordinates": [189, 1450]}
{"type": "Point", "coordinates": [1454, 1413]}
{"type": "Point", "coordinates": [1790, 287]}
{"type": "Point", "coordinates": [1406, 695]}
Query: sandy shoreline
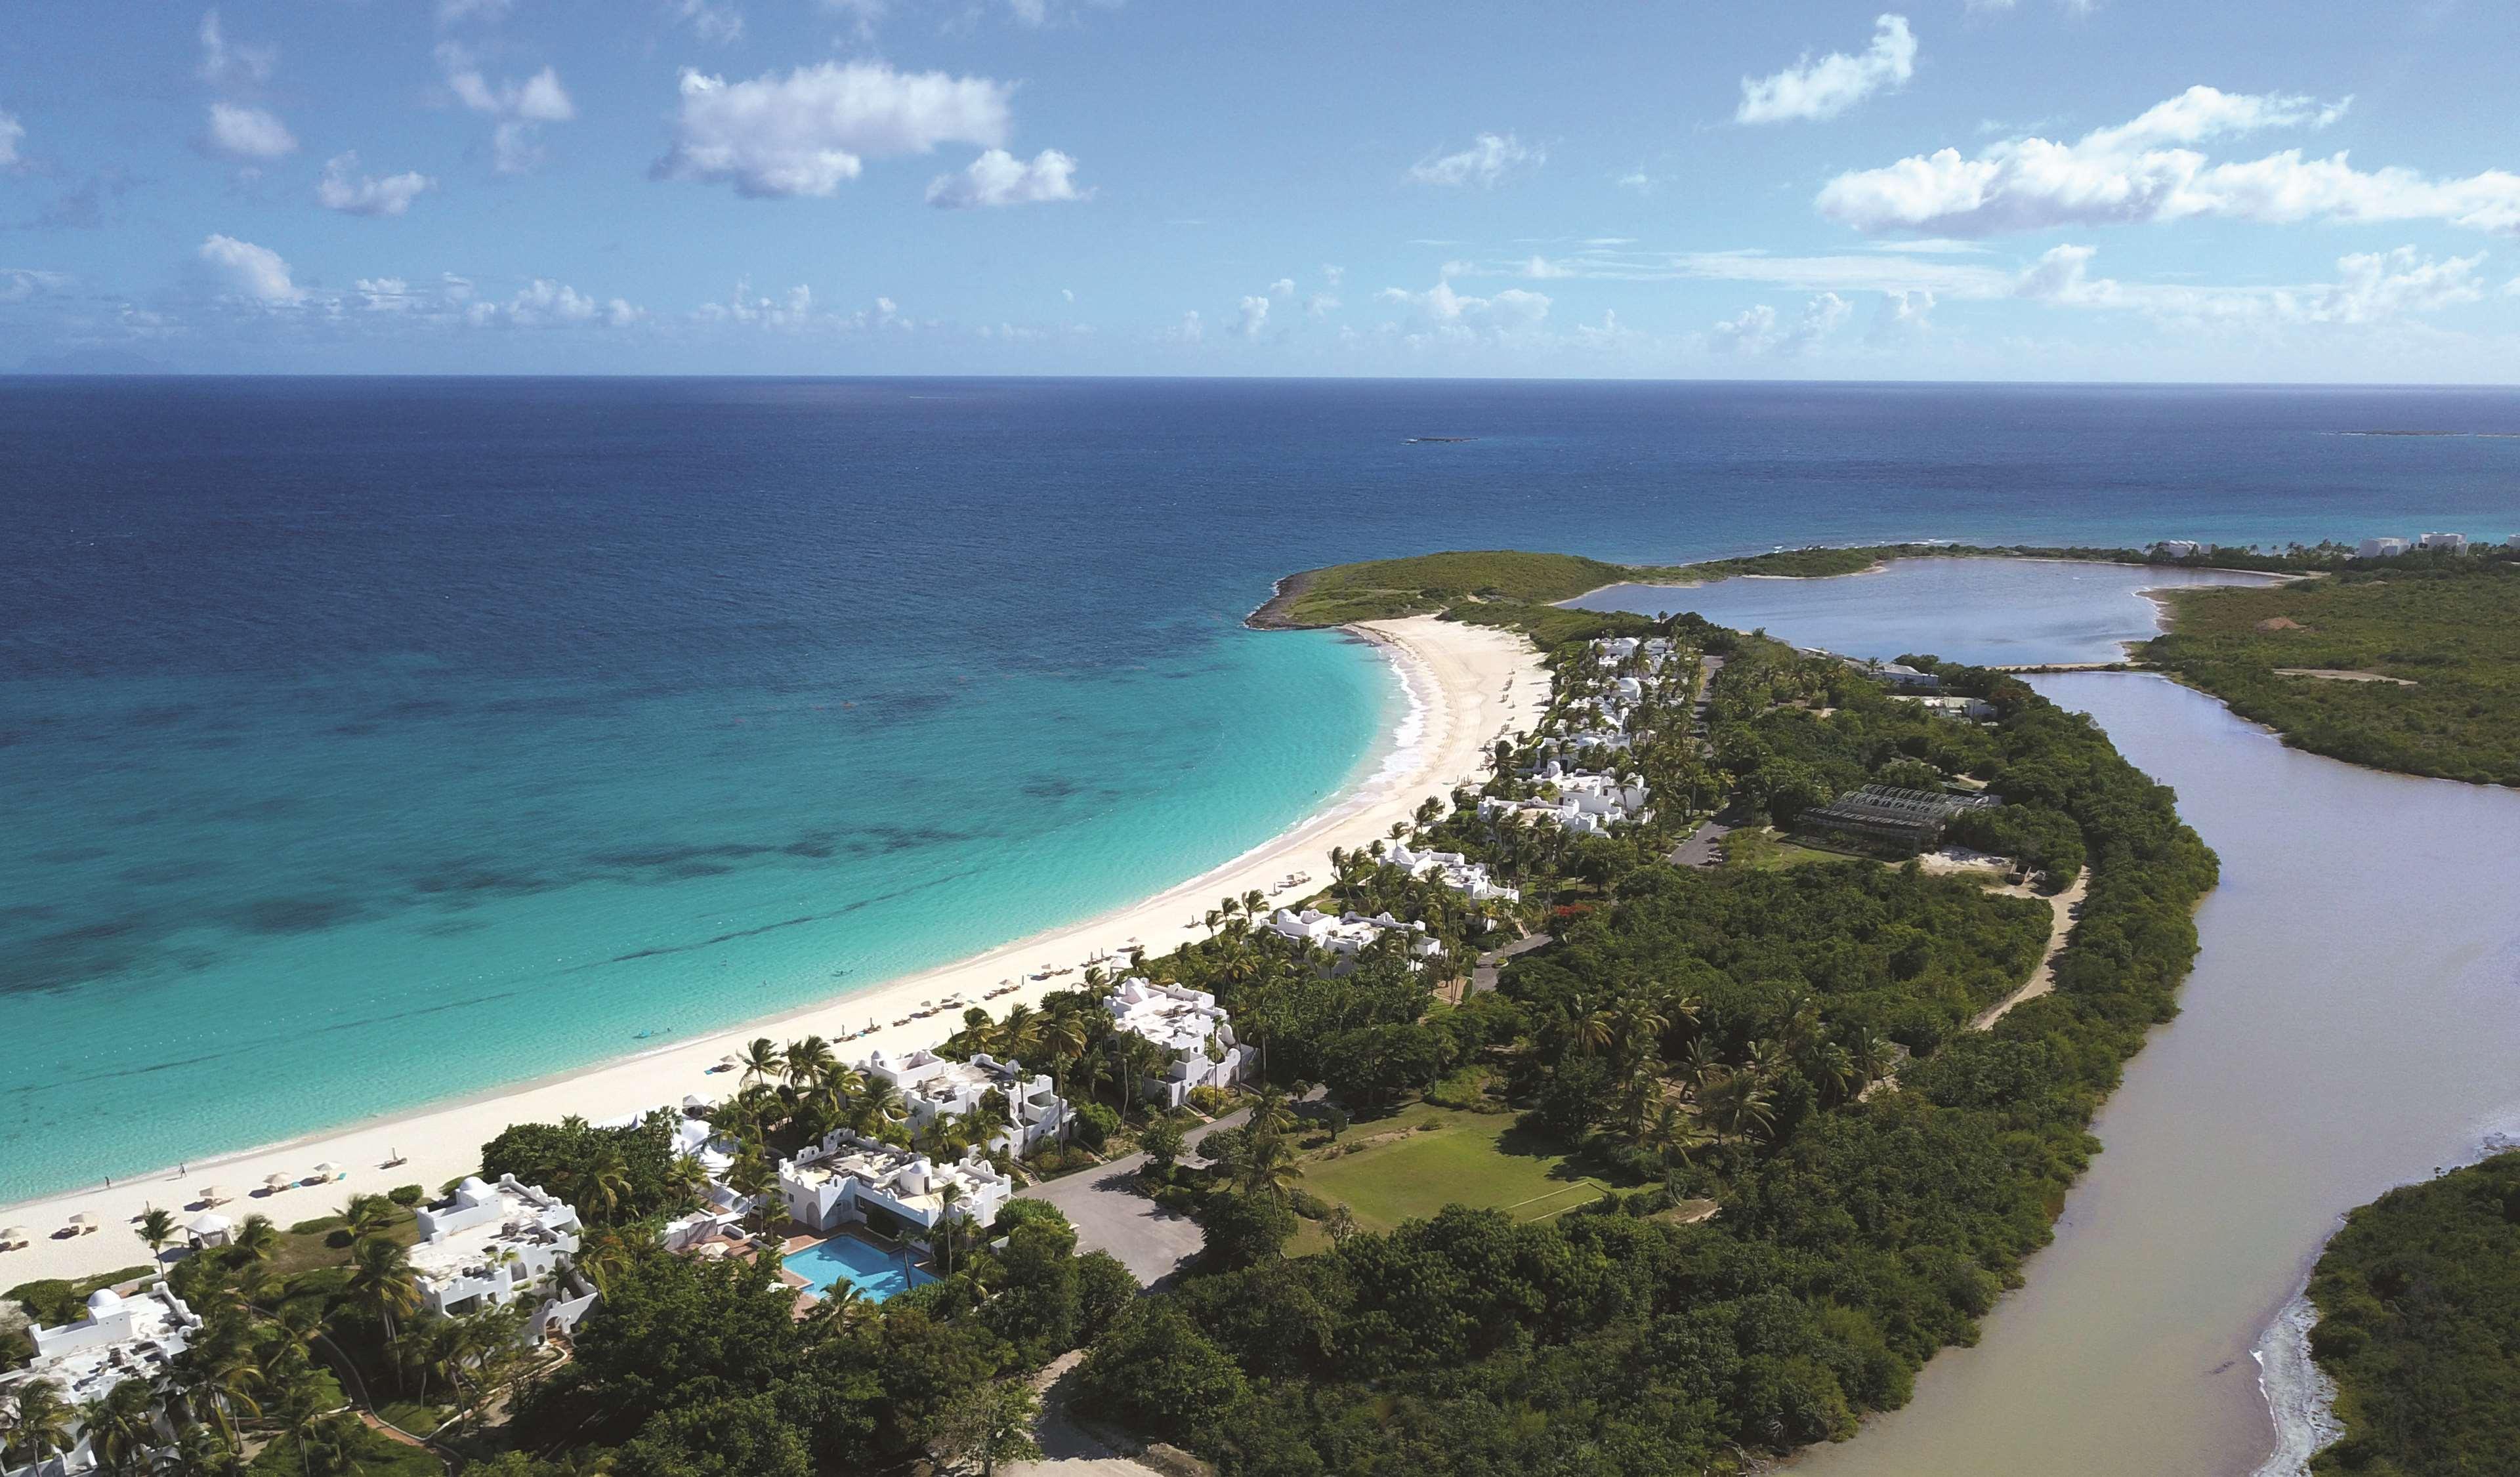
{"type": "Point", "coordinates": [1466, 683]}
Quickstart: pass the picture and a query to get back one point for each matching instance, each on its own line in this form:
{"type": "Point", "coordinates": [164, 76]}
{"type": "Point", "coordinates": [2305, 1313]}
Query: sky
{"type": "Point", "coordinates": [2118, 190]}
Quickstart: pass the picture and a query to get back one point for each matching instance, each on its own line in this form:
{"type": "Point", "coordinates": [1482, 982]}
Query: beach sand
{"type": "Point", "coordinates": [1466, 685]}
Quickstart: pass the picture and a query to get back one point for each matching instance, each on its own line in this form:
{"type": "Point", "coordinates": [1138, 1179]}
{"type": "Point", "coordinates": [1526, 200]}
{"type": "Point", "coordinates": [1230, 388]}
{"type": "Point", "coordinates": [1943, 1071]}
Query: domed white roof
{"type": "Point", "coordinates": [473, 1185]}
{"type": "Point", "coordinates": [105, 1302]}
{"type": "Point", "coordinates": [210, 1224]}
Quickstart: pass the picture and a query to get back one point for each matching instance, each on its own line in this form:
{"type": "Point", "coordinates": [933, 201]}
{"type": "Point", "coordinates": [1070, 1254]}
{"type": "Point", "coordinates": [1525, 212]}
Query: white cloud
{"type": "Point", "coordinates": [12, 134]}
{"type": "Point", "coordinates": [1819, 89]}
{"type": "Point", "coordinates": [2143, 171]}
{"type": "Point", "coordinates": [1320, 305]}
{"type": "Point", "coordinates": [1255, 317]}
{"type": "Point", "coordinates": [386, 295]}
{"type": "Point", "coordinates": [545, 304]}
{"type": "Point", "coordinates": [367, 195]}
{"type": "Point", "coordinates": [999, 178]}
{"type": "Point", "coordinates": [1455, 314]}
{"type": "Point", "coordinates": [1758, 332]}
{"type": "Point", "coordinates": [1188, 330]}
{"type": "Point", "coordinates": [1541, 267]}
{"type": "Point", "coordinates": [1335, 276]}
{"type": "Point", "coordinates": [450, 12]}
{"type": "Point", "coordinates": [1903, 316]}
{"type": "Point", "coordinates": [708, 20]}
{"type": "Point", "coordinates": [17, 284]}
{"type": "Point", "coordinates": [249, 133]}
{"type": "Point", "coordinates": [248, 272]}
{"type": "Point", "coordinates": [2372, 286]}
{"type": "Point", "coordinates": [1638, 180]}
{"type": "Point", "coordinates": [1487, 162]}
{"type": "Point", "coordinates": [224, 65]}
{"type": "Point", "coordinates": [519, 107]}
{"type": "Point", "coordinates": [809, 132]}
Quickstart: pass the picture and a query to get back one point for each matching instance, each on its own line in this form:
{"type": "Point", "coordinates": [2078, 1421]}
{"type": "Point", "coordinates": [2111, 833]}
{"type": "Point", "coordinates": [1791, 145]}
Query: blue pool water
{"type": "Point", "coordinates": [877, 1274]}
{"type": "Point", "coordinates": [365, 742]}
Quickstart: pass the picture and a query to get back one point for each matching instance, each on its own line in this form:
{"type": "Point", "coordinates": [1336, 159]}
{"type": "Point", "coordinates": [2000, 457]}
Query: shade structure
{"type": "Point", "coordinates": [327, 1168]}
{"type": "Point", "coordinates": [276, 1182]}
{"type": "Point", "coordinates": [216, 1194]}
{"type": "Point", "coordinates": [83, 1223]}
{"type": "Point", "coordinates": [730, 1060]}
{"type": "Point", "coordinates": [208, 1224]}
{"type": "Point", "coordinates": [14, 1235]}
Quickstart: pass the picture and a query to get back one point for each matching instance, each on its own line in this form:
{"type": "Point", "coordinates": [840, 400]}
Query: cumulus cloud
{"type": "Point", "coordinates": [225, 64]}
{"type": "Point", "coordinates": [810, 131]}
{"type": "Point", "coordinates": [1255, 317]}
{"type": "Point", "coordinates": [2147, 171]}
{"type": "Point", "coordinates": [1903, 316]}
{"type": "Point", "coordinates": [1824, 88]}
{"type": "Point", "coordinates": [1758, 331]}
{"type": "Point", "coordinates": [999, 178]}
{"type": "Point", "coordinates": [12, 134]}
{"type": "Point", "coordinates": [1188, 330]}
{"type": "Point", "coordinates": [249, 133]}
{"type": "Point", "coordinates": [1453, 313]}
{"type": "Point", "coordinates": [1491, 158]}
{"type": "Point", "coordinates": [547, 305]}
{"type": "Point", "coordinates": [519, 107]}
{"type": "Point", "coordinates": [250, 274]}
{"type": "Point", "coordinates": [342, 189]}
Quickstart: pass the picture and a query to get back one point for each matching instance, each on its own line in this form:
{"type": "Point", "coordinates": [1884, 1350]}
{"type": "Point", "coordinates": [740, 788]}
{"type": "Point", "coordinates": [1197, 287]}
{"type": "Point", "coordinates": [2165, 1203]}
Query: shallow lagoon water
{"type": "Point", "coordinates": [2353, 1024]}
{"type": "Point", "coordinates": [1988, 612]}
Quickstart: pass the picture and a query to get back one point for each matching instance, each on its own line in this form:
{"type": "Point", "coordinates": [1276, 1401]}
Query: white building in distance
{"type": "Point", "coordinates": [121, 1338]}
{"type": "Point", "coordinates": [937, 1086]}
{"type": "Point", "coordinates": [2444, 543]}
{"type": "Point", "coordinates": [1193, 1029]}
{"type": "Point", "coordinates": [489, 1245]}
{"type": "Point", "coordinates": [1347, 935]}
{"type": "Point", "coordinates": [1455, 870]}
{"type": "Point", "coordinates": [2381, 549]}
{"type": "Point", "coordinates": [851, 1180]}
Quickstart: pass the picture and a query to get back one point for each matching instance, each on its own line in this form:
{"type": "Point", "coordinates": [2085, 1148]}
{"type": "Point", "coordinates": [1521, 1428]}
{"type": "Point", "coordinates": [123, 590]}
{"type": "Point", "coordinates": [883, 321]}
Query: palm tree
{"type": "Point", "coordinates": [1871, 1055]}
{"type": "Point", "coordinates": [601, 1254]}
{"type": "Point", "coordinates": [1673, 1131]}
{"type": "Point", "coordinates": [606, 1182]}
{"type": "Point", "coordinates": [949, 1199]}
{"type": "Point", "coordinates": [752, 1178]}
{"type": "Point", "coordinates": [1261, 1161]}
{"type": "Point", "coordinates": [257, 1238]}
{"type": "Point", "coordinates": [380, 1278]}
{"type": "Point", "coordinates": [368, 1216]}
{"type": "Point", "coordinates": [223, 1384]}
{"type": "Point", "coordinates": [39, 1420]}
{"type": "Point", "coordinates": [1736, 1107]}
{"type": "Point", "coordinates": [762, 1059]}
{"type": "Point", "coordinates": [157, 1228]}
{"type": "Point", "coordinates": [121, 1427]}
{"type": "Point", "coordinates": [840, 1307]}
{"type": "Point", "coordinates": [1021, 1032]}
{"type": "Point", "coordinates": [806, 1060]}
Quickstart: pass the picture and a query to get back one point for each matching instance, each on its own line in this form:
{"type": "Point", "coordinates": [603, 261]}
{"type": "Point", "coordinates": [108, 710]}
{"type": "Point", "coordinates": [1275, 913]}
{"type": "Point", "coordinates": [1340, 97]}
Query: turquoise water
{"type": "Point", "coordinates": [369, 743]}
{"type": "Point", "coordinates": [876, 1273]}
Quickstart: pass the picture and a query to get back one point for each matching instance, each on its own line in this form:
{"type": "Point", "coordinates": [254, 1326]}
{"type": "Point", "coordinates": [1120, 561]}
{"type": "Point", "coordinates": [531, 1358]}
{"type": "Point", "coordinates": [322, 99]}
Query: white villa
{"type": "Point", "coordinates": [850, 1181]}
{"type": "Point", "coordinates": [2446, 542]}
{"type": "Point", "coordinates": [1586, 803]}
{"type": "Point", "coordinates": [1347, 935]}
{"type": "Point", "coordinates": [1185, 1023]}
{"type": "Point", "coordinates": [2381, 549]}
{"type": "Point", "coordinates": [120, 1338]}
{"type": "Point", "coordinates": [490, 1244]}
{"type": "Point", "coordinates": [937, 1086]}
{"type": "Point", "coordinates": [1455, 870]}
{"type": "Point", "coordinates": [1965, 710]}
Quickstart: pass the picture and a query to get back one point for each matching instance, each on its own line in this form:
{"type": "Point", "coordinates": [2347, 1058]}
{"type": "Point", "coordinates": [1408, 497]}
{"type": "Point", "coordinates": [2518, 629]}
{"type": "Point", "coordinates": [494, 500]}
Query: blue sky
{"type": "Point", "coordinates": [2120, 190]}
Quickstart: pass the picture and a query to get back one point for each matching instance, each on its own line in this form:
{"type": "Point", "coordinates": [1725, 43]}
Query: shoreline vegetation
{"type": "Point", "coordinates": [2419, 1303]}
{"type": "Point", "coordinates": [2409, 663]}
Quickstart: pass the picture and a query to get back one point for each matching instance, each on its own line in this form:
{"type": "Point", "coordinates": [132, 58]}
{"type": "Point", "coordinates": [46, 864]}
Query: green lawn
{"type": "Point", "coordinates": [1762, 851]}
{"type": "Point", "coordinates": [1473, 1159]}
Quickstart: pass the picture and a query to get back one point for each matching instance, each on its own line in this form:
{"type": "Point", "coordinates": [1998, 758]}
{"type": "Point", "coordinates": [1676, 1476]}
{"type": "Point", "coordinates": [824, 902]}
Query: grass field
{"type": "Point", "coordinates": [1763, 852]}
{"type": "Point", "coordinates": [1448, 1158]}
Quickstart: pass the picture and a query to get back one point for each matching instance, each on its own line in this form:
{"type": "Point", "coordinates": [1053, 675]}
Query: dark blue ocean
{"type": "Point", "coordinates": [380, 741]}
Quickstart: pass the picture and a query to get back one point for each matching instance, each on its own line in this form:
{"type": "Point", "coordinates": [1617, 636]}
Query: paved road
{"type": "Point", "coordinates": [1111, 1214]}
{"type": "Point", "coordinates": [1069, 1449]}
{"type": "Point", "coordinates": [1703, 847]}
{"type": "Point", "coordinates": [1483, 974]}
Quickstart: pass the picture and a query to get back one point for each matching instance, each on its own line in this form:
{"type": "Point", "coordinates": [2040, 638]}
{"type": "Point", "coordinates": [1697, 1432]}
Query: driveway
{"type": "Point", "coordinates": [1703, 847]}
{"type": "Point", "coordinates": [1111, 1214]}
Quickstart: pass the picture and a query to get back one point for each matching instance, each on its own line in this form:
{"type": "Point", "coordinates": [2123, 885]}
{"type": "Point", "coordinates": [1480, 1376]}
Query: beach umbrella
{"type": "Point", "coordinates": [14, 1235]}
{"type": "Point", "coordinates": [82, 1222]}
{"type": "Point", "coordinates": [275, 1182]}
{"type": "Point", "coordinates": [217, 1193]}
{"type": "Point", "coordinates": [327, 1168]}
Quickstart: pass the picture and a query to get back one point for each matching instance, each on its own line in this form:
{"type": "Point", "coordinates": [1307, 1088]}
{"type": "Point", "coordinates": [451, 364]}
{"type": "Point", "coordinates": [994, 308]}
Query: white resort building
{"type": "Point", "coordinates": [489, 1245]}
{"type": "Point", "coordinates": [1187, 1024]}
{"type": "Point", "coordinates": [938, 1086]}
{"type": "Point", "coordinates": [121, 1338]}
{"type": "Point", "coordinates": [1455, 870]}
{"type": "Point", "coordinates": [851, 1180]}
{"type": "Point", "coordinates": [1347, 935]}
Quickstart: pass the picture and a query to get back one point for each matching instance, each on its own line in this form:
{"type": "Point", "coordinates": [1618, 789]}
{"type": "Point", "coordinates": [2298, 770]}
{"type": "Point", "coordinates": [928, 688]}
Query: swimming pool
{"type": "Point", "coordinates": [876, 1273]}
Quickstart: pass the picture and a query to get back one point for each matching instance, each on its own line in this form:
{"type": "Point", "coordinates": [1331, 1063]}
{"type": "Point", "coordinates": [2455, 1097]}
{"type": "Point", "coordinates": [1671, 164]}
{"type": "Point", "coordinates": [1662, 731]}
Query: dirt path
{"type": "Point", "coordinates": [2061, 925]}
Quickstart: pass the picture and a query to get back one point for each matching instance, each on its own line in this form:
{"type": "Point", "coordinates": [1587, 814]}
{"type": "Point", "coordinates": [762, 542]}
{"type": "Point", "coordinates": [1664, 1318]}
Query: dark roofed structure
{"type": "Point", "coordinates": [1910, 818]}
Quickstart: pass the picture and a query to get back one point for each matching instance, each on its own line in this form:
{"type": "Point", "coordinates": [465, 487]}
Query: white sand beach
{"type": "Point", "coordinates": [1466, 685]}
